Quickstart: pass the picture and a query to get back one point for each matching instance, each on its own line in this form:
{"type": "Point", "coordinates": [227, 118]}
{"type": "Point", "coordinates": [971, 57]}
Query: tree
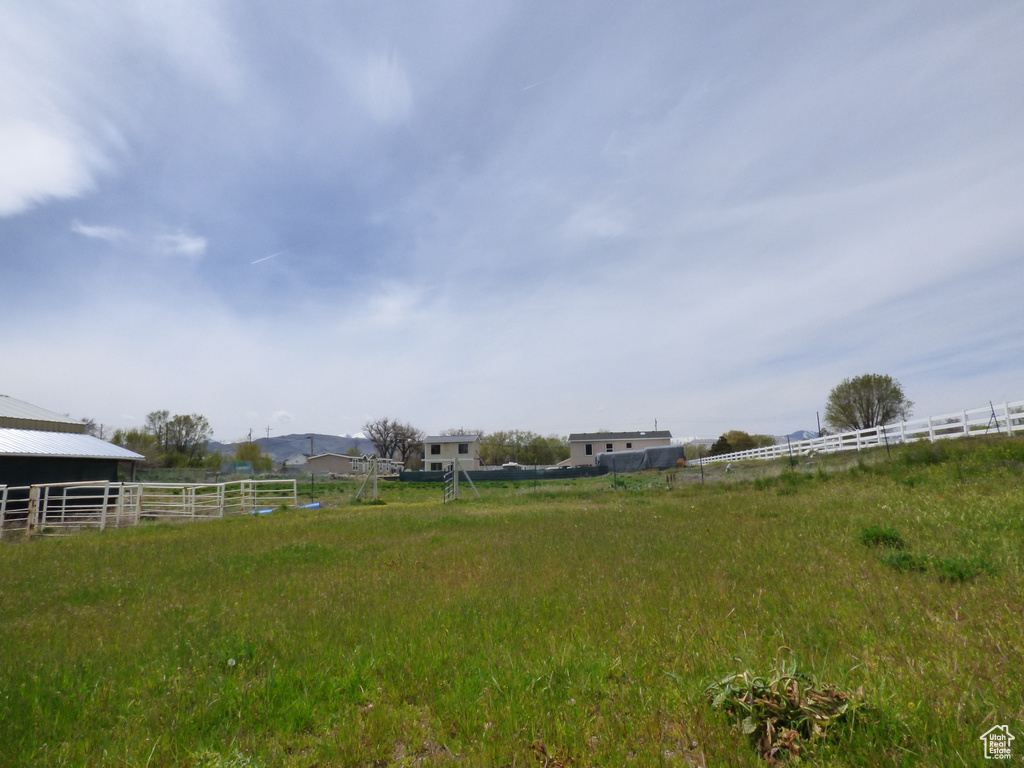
{"type": "Point", "coordinates": [140, 441]}
{"type": "Point", "coordinates": [496, 448]}
{"type": "Point", "coordinates": [693, 451]}
{"type": "Point", "coordinates": [382, 434]}
{"type": "Point", "coordinates": [503, 447]}
{"type": "Point", "coordinates": [185, 439]}
{"type": "Point", "coordinates": [250, 451]}
{"type": "Point", "coordinates": [522, 447]}
{"type": "Point", "coordinates": [544, 450]}
{"type": "Point", "coordinates": [866, 401]}
{"type": "Point", "coordinates": [736, 440]}
{"type": "Point", "coordinates": [731, 442]}
{"type": "Point", "coordinates": [409, 442]}
{"type": "Point", "coordinates": [156, 425]}
{"type": "Point", "coordinates": [389, 436]}
{"type": "Point", "coordinates": [179, 441]}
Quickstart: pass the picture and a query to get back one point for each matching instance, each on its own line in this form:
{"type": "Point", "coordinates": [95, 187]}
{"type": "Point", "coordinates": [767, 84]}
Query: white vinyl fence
{"type": "Point", "coordinates": [1005, 419]}
{"type": "Point", "coordinates": [55, 508]}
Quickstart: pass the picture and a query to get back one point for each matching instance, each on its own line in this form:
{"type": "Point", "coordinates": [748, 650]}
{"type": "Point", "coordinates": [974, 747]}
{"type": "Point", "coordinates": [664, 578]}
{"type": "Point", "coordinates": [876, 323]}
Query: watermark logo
{"type": "Point", "coordinates": [997, 743]}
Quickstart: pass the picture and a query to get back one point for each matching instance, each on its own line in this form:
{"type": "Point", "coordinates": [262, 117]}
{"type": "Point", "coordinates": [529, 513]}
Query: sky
{"type": "Point", "coordinates": [556, 217]}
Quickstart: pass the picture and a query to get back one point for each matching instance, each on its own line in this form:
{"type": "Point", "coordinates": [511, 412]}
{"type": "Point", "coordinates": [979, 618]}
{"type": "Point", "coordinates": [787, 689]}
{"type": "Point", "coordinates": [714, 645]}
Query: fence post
{"type": "Point", "coordinates": [103, 509]}
{"type": "Point", "coordinates": [967, 430]}
{"type": "Point", "coordinates": [931, 430]}
{"type": "Point", "coordinates": [1009, 421]}
{"type": "Point", "coordinates": [120, 504]}
{"type": "Point", "coordinates": [33, 511]}
{"type": "Point", "coordinates": [3, 508]}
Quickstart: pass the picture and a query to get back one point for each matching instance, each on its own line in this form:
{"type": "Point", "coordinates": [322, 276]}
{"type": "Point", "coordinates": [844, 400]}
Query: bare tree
{"type": "Point", "coordinates": [409, 440]}
{"type": "Point", "coordinates": [382, 434]}
{"type": "Point", "coordinates": [390, 436]}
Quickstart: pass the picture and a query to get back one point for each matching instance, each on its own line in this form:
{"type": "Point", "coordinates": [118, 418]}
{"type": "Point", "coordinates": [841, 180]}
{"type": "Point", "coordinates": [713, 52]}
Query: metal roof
{"type": "Point", "coordinates": [597, 436]}
{"type": "Point", "coordinates": [34, 442]}
{"type": "Point", "coordinates": [18, 414]}
{"type": "Point", "coordinates": [19, 409]}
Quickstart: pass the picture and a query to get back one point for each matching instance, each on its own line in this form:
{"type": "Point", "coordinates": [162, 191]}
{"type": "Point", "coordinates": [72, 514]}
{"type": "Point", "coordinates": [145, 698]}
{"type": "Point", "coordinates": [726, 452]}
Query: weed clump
{"type": "Point", "coordinates": [877, 536]}
{"type": "Point", "coordinates": [783, 712]}
{"type": "Point", "coordinates": [954, 569]}
{"type": "Point", "coordinates": [905, 562]}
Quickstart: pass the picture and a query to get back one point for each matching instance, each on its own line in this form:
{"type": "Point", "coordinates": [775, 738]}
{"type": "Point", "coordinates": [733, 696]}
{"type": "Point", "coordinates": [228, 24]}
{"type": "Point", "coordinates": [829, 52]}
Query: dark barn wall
{"type": "Point", "coordinates": [27, 470]}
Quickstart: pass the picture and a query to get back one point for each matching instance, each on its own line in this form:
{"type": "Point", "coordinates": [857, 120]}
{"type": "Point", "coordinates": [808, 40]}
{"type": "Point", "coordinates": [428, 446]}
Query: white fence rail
{"type": "Point", "coordinates": [365, 465]}
{"type": "Point", "coordinates": [63, 507]}
{"type": "Point", "coordinates": [1007, 419]}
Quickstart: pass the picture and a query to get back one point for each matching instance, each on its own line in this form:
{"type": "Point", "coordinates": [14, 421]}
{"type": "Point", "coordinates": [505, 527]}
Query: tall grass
{"type": "Point", "coordinates": [578, 621]}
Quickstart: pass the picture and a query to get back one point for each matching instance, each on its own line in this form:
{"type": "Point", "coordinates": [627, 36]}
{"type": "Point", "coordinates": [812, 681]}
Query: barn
{"type": "Point", "coordinates": [39, 446]}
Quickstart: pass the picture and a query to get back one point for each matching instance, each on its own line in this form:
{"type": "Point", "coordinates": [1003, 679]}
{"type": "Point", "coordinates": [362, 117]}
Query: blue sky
{"type": "Point", "coordinates": [556, 217]}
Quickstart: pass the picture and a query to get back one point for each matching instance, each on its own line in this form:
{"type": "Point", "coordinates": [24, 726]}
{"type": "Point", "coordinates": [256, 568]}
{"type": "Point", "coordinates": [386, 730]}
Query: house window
{"type": "Point", "coordinates": [608, 447]}
{"type": "Point", "coordinates": [435, 466]}
{"type": "Point", "coordinates": [435, 450]}
{"type": "Point", "coordinates": [590, 449]}
{"type": "Point", "coordinates": [463, 448]}
{"type": "Point", "coordinates": [628, 446]}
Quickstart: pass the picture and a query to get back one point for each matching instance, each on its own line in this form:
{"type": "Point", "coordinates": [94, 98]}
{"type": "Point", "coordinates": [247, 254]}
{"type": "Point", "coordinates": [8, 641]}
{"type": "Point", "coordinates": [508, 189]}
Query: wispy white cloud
{"type": "Point", "coordinates": [68, 85]}
{"type": "Point", "coordinates": [40, 162]}
{"type": "Point", "coordinates": [112, 235]}
{"type": "Point", "coordinates": [180, 244]}
{"type": "Point", "coordinates": [282, 417]}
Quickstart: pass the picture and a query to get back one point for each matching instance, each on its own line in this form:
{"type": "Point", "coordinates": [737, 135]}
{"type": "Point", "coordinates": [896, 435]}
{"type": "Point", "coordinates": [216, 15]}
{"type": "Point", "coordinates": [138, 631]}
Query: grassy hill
{"type": "Point", "coordinates": [565, 622]}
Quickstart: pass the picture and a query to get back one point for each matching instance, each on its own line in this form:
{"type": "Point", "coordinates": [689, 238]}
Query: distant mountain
{"type": "Point", "coordinates": [802, 434]}
{"type": "Point", "coordinates": [283, 447]}
{"type": "Point", "coordinates": [795, 437]}
{"type": "Point", "coordinates": [704, 442]}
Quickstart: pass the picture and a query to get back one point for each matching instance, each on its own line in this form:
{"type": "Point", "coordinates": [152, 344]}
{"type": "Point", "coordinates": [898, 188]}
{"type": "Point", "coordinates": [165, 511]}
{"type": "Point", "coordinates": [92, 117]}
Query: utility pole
{"type": "Point", "coordinates": [312, 476]}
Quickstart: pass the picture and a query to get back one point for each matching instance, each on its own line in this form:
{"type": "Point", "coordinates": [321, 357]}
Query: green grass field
{"type": "Point", "coordinates": [559, 623]}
